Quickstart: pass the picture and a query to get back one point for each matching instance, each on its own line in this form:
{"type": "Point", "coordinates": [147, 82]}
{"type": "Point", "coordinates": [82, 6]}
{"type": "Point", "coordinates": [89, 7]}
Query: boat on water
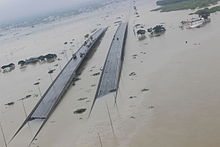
{"type": "Point", "coordinates": [196, 23]}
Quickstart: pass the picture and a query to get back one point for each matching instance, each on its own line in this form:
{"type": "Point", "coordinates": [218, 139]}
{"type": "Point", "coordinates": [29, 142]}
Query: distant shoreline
{"type": "Point", "coordinates": [24, 27]}
{"type": "Point", "coordinates": [51, 17]}
{"type": "Point", "coordinates": [175, 5]}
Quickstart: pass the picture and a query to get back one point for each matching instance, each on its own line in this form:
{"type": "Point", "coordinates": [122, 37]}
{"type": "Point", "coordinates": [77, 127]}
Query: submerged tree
{"type": "Point", "coordinates": [204, 13]}
{"type": "Point", "coordinates": [159, 29]}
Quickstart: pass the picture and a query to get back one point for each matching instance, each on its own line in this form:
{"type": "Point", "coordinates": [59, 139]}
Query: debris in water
{"type": "Point", "coordinates": [76, 79]}
{"type": "Point", "coordinates": [132, 74]}
{"type": "Point", "coordinates": [9, 104]}
{"type": "Point", "coordinates": [37, 83]}
{"type": "Point", "coordinates": [81, 99]}
{"type": "Point", "coordinates": [27, 96]}
{"type": "Point", "coordinates": [79, 111]}
{"type": "Point", "coordinates": [51, 71]}
{"type": "Point", "coordinates": [131, 97]}
{"type": "Point", "coordinates": [151, 107]}
{"type": "Point", "coordinates": [93, 85]}
{"type": "Point", "coordinates": [96, 74]}
{"type": "Point", "coordinates": [134, 56]}
{"type": "Point", "coordinates": [143, 90]}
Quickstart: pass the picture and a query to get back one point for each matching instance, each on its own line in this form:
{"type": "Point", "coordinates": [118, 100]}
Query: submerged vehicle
{"type": "Point", "coordinates": [8, 68]}
{"type": "Point", "coordinates": [50, 57]}
{"type": "Point", "coordinates": [141, 34]}
{"type": "Point", "coordinates": [139, 31]}
{"type": "Point", "coordinates": [32, 60]}
{"type": "Point", "coordinates": [22, 64]}
{"type": "Point", "coordinates": [74, 56]}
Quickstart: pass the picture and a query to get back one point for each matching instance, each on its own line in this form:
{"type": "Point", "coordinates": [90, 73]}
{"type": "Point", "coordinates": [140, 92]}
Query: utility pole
{"type": "Point", "coordinates": [3, 134]}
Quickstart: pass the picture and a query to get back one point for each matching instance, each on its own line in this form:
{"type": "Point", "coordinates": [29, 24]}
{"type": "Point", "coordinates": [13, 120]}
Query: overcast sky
{"type": "Point", "coordinates": [13, 9]}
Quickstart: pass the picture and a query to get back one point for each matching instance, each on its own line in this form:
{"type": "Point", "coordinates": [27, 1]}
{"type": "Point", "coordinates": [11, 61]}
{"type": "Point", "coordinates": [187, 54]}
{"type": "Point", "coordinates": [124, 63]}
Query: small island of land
{"type": "Point", "coordinates": [174, 5]}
